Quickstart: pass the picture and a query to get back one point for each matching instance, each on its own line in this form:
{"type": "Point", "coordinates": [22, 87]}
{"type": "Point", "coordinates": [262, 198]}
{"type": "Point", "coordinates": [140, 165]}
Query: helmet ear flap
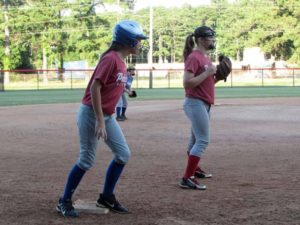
{"type": "Point", "coordinates": [128, 33]}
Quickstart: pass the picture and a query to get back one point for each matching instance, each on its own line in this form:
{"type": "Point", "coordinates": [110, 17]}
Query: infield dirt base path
{"type": "Point", "coordinates": [254, 156]}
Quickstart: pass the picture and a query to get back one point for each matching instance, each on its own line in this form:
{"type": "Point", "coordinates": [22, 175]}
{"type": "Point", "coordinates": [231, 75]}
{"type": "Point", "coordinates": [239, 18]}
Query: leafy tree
{"type": "Point", "coordinates": [43, 33]}
{"type": "Point", "coordinates": [94, 32]}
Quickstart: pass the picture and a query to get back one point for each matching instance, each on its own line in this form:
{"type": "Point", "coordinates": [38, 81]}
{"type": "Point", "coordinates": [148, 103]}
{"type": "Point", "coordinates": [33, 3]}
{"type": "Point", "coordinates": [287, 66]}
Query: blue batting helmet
{"type": "Point", "coordinates": [128, 33]}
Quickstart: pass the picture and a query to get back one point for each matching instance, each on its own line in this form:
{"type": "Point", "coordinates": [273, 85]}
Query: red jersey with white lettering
{"type": "Point", "coordinates": [196, 63]}
{"type": "Point", "coordinates": [111, 72]}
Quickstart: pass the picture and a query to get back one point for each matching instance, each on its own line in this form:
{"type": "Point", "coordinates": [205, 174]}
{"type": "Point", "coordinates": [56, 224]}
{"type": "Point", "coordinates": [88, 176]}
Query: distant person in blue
{"type": "Point", "coordinates": [123, 102]}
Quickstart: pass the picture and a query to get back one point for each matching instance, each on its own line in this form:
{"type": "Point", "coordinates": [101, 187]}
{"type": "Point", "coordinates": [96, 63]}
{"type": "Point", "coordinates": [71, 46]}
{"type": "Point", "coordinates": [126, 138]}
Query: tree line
{"type": "Point", "coordinates": [44, 34]}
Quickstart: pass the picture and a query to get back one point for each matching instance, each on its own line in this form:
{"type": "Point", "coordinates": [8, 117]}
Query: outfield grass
{"type": "Point", "coordinates": [9, 98]}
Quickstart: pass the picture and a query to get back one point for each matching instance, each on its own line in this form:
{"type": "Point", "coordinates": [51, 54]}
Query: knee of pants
{"type": "Point", "coordinates": [86, 163]}
{"type": "Point", "coordinates": [190, 146]}
{"type": "Point", "coordinates": [199, 147]}
{"type": "Point", "coordinates": [85, 166]}
{"type": "Point", "coordinates": [123, 158]}
{"type": "Point", "coordinates": [201, 144]}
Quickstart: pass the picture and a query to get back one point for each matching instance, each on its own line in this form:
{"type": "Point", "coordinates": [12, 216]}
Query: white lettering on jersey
{"type": "Point", "coordinates": [121, 79]}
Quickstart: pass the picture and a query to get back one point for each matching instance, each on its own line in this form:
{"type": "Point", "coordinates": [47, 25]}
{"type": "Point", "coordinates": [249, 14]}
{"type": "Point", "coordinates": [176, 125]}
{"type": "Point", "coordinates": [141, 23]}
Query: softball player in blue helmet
{"type": "Point", "coordinates": [95, 119]}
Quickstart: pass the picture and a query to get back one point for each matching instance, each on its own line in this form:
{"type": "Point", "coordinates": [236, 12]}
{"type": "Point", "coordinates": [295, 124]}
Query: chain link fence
{"type": "Point", "coordinates": [158, 78]}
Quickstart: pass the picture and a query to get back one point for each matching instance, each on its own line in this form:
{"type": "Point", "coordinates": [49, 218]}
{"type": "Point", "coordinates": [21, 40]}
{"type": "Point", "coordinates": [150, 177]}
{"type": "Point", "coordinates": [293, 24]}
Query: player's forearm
{"type": "Point", "coordinates": [96, 100]}
{"type": "Point", "coordinates": [191, 82]}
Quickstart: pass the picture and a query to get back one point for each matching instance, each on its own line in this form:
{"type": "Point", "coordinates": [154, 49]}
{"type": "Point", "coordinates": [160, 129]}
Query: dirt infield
{"type": "Point", "coordinates": [254, 155]}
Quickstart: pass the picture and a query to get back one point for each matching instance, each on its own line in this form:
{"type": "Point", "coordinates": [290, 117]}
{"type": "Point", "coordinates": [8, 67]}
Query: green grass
{"type": "Point", "coordinates": [9, 98]}
{"type": "Point", "coordinates": [257, 92]}
{"type": "Point", "coordinates": [40, 97]}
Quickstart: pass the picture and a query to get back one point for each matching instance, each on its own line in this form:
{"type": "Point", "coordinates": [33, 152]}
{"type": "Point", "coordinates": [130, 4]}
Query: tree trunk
{"type": "Point", "coordinates": [45, 67]}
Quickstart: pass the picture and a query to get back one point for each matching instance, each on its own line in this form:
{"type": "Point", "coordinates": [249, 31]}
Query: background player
{"type": "Point", "coordinates": [95, 119]}
{"type": "Point", "coordinates": [123, 102]}
{"type": "Point", "coordinates": [199, 84]}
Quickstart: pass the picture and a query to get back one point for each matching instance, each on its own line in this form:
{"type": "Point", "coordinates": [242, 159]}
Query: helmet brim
{"type": "Point", "coordinates": [142, 37]}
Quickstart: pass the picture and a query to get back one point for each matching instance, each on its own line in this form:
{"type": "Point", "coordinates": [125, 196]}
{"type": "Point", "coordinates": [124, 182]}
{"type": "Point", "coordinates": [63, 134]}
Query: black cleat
{"type": "Point", "coordinates": [111, 203]}
{"type": "Point", "coordinates": [66, 208]}
{"type": "Point", "coordinates": [191, 183]}
{"type": "Point", "coordinates": [202, 174]}
{"type": "Point", "coordinates": [120, 118]}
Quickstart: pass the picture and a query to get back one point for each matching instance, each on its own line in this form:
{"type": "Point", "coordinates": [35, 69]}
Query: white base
{"type": "Point", "coordinates": [89, 207]}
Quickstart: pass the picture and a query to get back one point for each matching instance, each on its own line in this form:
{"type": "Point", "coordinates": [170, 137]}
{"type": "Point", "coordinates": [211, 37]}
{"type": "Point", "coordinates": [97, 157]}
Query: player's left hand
{"type": "Point", "coordinates": [132, 94]}
{"type": "Point", "coordinates": [224, 68]}
{"type": "Point", "coordinates": [100, 131]}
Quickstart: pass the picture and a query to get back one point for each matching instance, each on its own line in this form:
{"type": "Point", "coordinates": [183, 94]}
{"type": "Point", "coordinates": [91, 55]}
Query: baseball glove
{"type": "Point", "coordinates": [133, 94]}
{"type": "Point", "coordinates": [224, 68]}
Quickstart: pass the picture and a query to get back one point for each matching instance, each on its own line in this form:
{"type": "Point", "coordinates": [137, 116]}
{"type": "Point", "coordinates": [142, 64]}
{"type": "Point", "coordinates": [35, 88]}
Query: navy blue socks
{"type": "Point", "coordinates": [74, 179]}
{"type": "Point", "coordinates": [112, 175]}
{"type": "Point", "coordinates": [123, 111]}
{"type": "Point", "coordinates": [118, 111]}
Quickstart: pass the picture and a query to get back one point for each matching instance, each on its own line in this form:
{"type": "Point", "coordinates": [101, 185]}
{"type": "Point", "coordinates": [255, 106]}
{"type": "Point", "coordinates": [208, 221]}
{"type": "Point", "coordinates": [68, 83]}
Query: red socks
{"type": "Point", "coordinates": [191, 166]}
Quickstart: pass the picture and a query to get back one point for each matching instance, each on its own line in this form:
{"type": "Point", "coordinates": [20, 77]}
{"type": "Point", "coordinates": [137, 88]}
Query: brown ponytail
{"type": "Point", "coordinates": [113, 47]}
{"type": "Point", "coordinates": [189, 46]}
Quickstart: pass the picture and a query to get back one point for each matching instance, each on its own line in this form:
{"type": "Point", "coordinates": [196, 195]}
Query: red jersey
{"type": "Point", "coordinates": [111, 72]}
{"type": "Point", "coordinates": [196, 63]}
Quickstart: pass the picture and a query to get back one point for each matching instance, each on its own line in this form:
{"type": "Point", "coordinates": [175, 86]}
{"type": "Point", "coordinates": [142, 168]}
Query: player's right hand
{"type": "Point", "coordinates": [100, 130]}
{"type": "Point", "coordinates": [211, 70]}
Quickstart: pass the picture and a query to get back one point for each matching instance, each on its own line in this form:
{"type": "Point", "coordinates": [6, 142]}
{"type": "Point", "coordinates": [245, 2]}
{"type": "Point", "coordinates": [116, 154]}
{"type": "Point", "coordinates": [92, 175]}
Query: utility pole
{"type": "Point", "coordinates": [61, 47]}
{"type": "Point", "coordinates": [150, 54]}
{"type": "Point", "coordinates": [7, 49]}
{"type": "Point", "coordinates": [118, 17]}
{"type": "Point", "coordinates": [216, 26]}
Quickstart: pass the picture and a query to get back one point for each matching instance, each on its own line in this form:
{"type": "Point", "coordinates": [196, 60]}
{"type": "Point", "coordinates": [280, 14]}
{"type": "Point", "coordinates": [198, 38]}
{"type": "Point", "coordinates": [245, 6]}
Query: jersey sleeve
{"type": "Point", "coordinates": [104, 69]}
{"type": "Point", "coordinates": [191, 65]}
